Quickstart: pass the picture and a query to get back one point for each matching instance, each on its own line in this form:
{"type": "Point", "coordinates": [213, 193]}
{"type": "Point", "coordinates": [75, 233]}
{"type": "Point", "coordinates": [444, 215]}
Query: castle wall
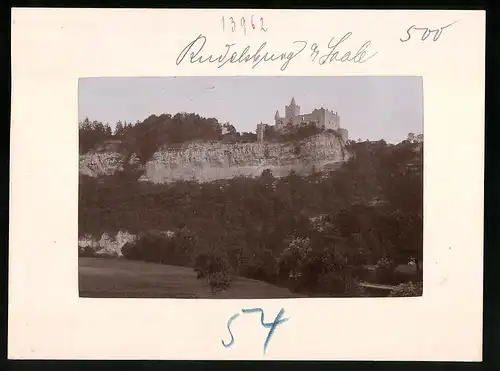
{"type": "Point", "coordinates": [344, 133]}
{"type": "Point", "coordinates": [297, 120]}
{"type": "Point", "coordinates": [279, 123]}
{"type": "Point", "coordinates": [331, 120]}
{"type": "Point", "coordinates": [260, 133]}
{"type": "Point", "coordinates": [325, 118]}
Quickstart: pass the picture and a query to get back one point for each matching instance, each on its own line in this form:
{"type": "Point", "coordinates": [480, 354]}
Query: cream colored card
{"type": "Point", "coordinates": [54, 51]}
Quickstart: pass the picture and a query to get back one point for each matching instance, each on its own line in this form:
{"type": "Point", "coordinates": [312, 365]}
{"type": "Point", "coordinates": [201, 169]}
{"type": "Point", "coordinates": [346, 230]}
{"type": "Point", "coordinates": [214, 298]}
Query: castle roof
{"type": "Point", "coordinates": [292, 103]}
{"type": "Point", "coordinates": [277, 115]}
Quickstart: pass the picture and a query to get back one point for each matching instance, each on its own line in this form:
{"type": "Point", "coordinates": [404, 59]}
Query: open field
{"type": "Point", "coordinates": [109, 278]}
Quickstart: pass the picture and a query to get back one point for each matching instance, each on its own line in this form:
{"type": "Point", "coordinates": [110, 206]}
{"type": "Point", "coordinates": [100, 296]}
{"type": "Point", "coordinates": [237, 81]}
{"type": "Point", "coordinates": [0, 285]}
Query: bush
{"type": "Point", "coordinates": [407, 272]}
{"type": "Point", "coordinates": [158, 247]}
{"type": "Point", "coordinates": [86, 252]}
{"type": "Point", "coordinates": [292, 257]}
{"type": "Point", "coordinates": [219, 281]}
{"type": "Point", "coordinates": [260, 265]}
{"type": "Point", "coordinates": [336, 284]}
{"type": "Point", "coordinates": [149, 247]}
{"type": "Point", "coordinates": [352, 287]}
{"type": "Point", "coordinates": [407, 289]}
{"type": "Point", "coordinates": [384, 271]}
{"type": "Point", "coordinates": [214, 269]}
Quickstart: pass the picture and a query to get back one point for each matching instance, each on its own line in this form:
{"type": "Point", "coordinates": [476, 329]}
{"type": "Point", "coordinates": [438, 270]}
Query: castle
{"type": "Point", "coordinates": [323, 118]}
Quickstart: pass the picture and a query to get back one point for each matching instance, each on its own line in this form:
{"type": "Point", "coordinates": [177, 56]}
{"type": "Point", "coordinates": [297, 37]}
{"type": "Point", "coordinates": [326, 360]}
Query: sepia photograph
{"type": "Point", "coordinates": [250, 187]}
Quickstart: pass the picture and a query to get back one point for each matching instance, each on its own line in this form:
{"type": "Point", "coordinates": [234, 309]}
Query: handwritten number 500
{"type": "Point", "coordinates": [426, 32]}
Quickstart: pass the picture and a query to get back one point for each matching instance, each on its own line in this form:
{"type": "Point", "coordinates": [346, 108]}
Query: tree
{"type": "Point", "coordinates": [267, 179]}
{"type": "Point", "coordinates": [370, 208]}
{"type": "Point", "coordinates": [108, 131]}
{"type": "Point", "coordinates": [92, 134]}
{"type": "Point", "coordinates": [119, 128]}
{"type": "Point", "coordinates": [228, 128]}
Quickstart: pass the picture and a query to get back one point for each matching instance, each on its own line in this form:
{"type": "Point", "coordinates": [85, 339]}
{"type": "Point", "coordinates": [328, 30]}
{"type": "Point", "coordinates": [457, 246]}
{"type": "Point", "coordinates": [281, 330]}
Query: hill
{"type": "Point", "coordinates": [134, 279]}
{"type": "Point", "coordinates": [187, 147]}
{"type": "Point", "coordinates": [312, 233]}
{"type": "Point", "coordinates": [204, 161]}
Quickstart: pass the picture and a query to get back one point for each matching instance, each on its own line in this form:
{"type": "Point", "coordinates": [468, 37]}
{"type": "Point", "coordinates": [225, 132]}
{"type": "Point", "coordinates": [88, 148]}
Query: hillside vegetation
{"type": "Point", "coordinates": [311, 234]}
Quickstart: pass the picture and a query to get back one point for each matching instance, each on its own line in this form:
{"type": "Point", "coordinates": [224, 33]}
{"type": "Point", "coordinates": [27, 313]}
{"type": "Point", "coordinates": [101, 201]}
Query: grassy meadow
{"type": "Point", "coordinates": [112, 278]}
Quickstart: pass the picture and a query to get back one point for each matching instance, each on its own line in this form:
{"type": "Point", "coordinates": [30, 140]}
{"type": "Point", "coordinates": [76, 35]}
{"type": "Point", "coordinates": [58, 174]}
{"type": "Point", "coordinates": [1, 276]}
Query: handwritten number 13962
{"type": "Point", "coordinates": [233, 25]}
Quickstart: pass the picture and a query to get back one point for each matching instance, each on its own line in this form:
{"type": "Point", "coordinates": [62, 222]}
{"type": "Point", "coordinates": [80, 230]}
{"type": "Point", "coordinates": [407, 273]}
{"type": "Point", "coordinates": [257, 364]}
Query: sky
{"type": "Point", "coordinates": [370, 107]}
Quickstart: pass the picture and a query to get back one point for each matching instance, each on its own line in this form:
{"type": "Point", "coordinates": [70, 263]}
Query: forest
{"type": "Point", "coordinates": [314, 234]}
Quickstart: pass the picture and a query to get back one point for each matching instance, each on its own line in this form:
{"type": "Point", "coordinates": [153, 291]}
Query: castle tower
{"type": "Point", "coordinates": [292, 110]}
{"type": "Point", "coordinates": [277, 120]}
{"type": "Point", "coordinates": [260, 133]}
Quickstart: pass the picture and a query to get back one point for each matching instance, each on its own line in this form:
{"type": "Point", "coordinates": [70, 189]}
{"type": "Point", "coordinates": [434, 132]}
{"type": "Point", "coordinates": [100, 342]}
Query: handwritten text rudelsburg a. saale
{"type": "Point", "coordinates": [193, 53]}
{"type": "Point", "coordinates": [335, 51]}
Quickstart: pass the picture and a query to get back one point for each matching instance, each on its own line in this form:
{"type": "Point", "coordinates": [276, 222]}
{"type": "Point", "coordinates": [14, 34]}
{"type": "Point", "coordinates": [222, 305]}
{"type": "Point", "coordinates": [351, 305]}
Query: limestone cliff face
{"type": "Point", "coordinates": [209, 161]}
{"type": "Point", "coordinates": [101, 163]}
{"type": "Point", "coordinates": [205, 162]}
{"type": "Point", "coordinates": [107, 245]}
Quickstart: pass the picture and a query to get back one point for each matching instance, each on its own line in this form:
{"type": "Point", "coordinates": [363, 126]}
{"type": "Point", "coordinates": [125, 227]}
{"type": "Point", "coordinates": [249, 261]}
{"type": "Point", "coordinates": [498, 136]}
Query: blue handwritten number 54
{"type": "Point", "coordinates": [270, 325]}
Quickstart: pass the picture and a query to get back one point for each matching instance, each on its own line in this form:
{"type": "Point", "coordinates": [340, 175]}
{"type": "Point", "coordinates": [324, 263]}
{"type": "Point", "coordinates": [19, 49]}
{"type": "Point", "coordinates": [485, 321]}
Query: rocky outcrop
{"type": "Point", "coordinates": [106, 245]}
{"type": "Point", "coordinates": [95, 164]}
{"type": "Point", "coordinates": [205, 162]}
{"type": "Point", "coordinates": [209, 161]}
{"type": "Point", "coordinates": [111, 246]}
{"type": "Point", "coordinates": [101, 163]}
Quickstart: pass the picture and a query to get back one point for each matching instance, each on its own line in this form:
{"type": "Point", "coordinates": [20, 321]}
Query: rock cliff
{"type": "Point", "coordinates": [96, 164]}
{"type": "Point", "coordinates": [107, 245]}
{"type": "Point", "coordinates": [209, 161]}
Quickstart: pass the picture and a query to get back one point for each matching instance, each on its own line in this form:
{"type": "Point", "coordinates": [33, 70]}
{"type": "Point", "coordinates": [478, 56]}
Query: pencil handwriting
{"type": "Point", "coordinates": [334, 55]}
{"type": "Point", "coordinates": [192, 53]}
{"type": "Point", "coordinates": [232, 25]}
{"type": "Point", "coordinates": [425, 32]}
{"type": "Point", "coordinates": [195, 47]}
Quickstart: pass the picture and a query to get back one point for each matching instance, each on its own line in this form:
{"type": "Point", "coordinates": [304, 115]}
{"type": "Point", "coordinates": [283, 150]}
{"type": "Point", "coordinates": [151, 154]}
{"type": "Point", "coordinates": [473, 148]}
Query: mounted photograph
{"type": "Point", "coordinates": [250, 187]}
